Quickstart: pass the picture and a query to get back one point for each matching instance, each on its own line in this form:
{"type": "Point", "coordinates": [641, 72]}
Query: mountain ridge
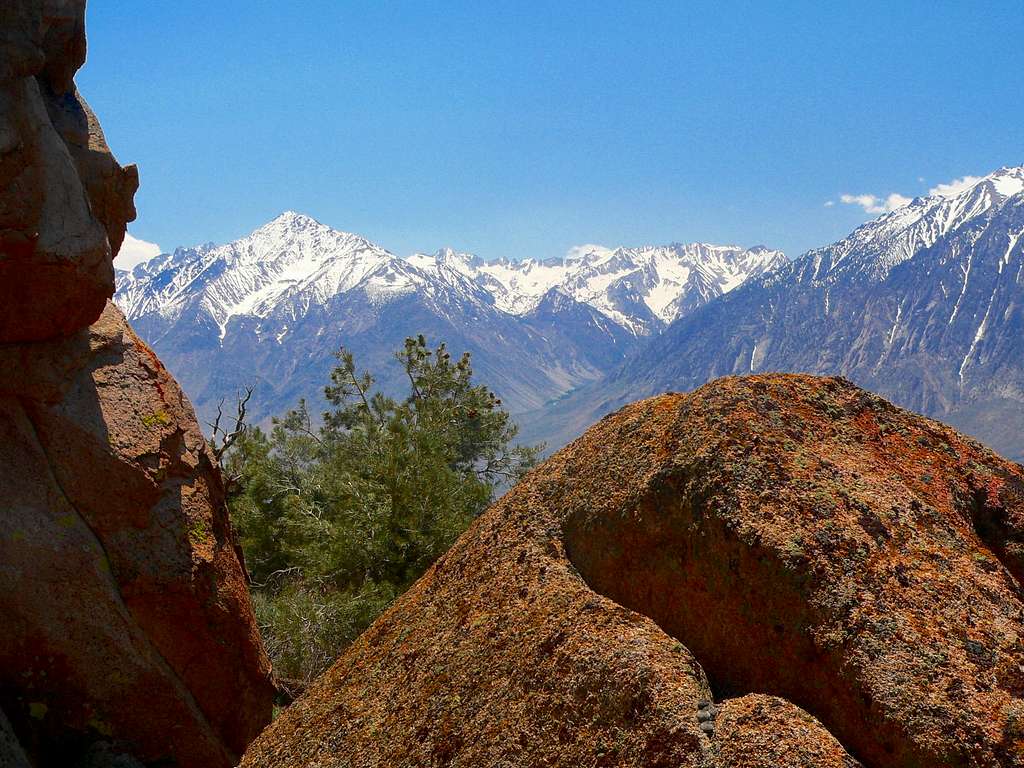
{"type": "Point", "coordinates": [515, 286]}
{"type": "Point", "coordinates": [913, 304]}
{"type": "Point", "coordinates": [274, 306]}
{"type": "Point", "coordinates": [924, 305]}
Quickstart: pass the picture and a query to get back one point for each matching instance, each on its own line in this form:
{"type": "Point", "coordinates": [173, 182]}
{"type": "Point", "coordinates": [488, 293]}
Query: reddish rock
{"type": "Point", "coordinates": [127, 625]}
{"type": "Point", "coordinates": [790, 536]}
{"type": "Point", "coordinates": [767, 732]}
{"type": "Point", "coordinates": [126, 609]}
{"type": "Point", "coordinates": [64, 200]}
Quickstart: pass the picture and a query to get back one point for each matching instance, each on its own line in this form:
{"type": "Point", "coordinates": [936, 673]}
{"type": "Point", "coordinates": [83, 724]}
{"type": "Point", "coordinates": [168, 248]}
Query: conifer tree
{"type": "Point", "coordinates": [338, 518]}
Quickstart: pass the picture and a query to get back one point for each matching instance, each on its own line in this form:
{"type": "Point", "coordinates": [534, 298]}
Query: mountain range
{"type": "Point", "coordinates": [924, 305]}
{"type": "Point", "coordinates": [272, 309]}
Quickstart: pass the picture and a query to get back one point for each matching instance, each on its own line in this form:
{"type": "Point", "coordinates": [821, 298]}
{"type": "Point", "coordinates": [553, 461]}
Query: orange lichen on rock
{"type": "Point", "coordinates": [757, 731]}
{"type": "Point", "coordinates": [776, 569]}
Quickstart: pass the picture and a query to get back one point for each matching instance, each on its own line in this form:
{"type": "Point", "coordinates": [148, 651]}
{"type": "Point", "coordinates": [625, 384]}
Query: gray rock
{"type": "Point", "coordinates": [104, 755]}
{"type": "Point", "coordinates": [11, 753]}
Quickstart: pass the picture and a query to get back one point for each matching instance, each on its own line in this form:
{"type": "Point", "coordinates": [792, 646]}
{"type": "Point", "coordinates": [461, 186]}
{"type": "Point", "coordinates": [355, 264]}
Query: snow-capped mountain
{"type": "Point", "coordinates": [292, 261]}
{"type": "Point", "coordinates": [924, 305]}
{"type": "Point", "coordinates": [872, 250]}
{"type": "Point", "coordinates": [641, 289]}
{"type": "Point", "coordinates": [273, 307]}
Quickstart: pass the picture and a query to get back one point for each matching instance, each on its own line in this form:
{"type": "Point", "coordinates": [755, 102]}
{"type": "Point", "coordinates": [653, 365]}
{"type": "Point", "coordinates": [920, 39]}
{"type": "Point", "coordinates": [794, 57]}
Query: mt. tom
{"type": "Point", "coordinates": [272, 308]}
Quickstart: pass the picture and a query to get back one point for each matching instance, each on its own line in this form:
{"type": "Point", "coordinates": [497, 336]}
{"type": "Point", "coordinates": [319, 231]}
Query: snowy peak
{"type": "Point", "coordinates": [640, 289]}
{"type": "Point", "coordinates": [298, 244]}
{"type": "Point", "coordinates": [447, 258]}
{"type": "Point", "coordinates": [290, 220]}
{"type": "Point", "coordinates": [1006, 182]}
{"type": "Point", "coordinates": [291, 257]}
{"type": "Point", "coordinates": [295, 263]}
{"type": "Point", "coordinates": [874, 248]}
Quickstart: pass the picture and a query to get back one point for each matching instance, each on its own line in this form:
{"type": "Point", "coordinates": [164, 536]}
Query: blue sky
{"type": "Point", "coordinates": [523, 129]}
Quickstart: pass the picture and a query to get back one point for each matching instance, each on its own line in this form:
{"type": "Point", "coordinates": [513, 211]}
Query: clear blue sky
{"type": "Point", "coordinates": [521, 129]}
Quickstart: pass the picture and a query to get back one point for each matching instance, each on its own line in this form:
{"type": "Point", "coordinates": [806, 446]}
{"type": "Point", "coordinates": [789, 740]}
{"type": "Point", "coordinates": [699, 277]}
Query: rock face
{"type": "Point", "coordinates": [771, 570]}
{"type": "Point", "coordinates": [64, 200]}
{"type": "Point", "coordinates": [126, 610]}
{"type": "Point", "coordinates": [767, 732]}
{"type": "Point", "coordinates": [127, 627]}
{"type": "Point", "coordinates": [11, 753]}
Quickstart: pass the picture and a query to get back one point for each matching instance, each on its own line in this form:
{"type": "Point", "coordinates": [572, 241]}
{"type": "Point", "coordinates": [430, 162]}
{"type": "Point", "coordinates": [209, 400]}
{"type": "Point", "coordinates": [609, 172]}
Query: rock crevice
{"type": "Point", "coordinates": [807, 545]}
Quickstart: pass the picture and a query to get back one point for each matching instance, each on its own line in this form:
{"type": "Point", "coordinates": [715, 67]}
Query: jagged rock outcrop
{"type": "Point", "coordinates": [64, 200]}
{"type": "Point", "coordinates": [771, 570]}
{"type": "Point", "coordinates": [127, 626]}
{"type": "Point", "coordinates": [126, 610]}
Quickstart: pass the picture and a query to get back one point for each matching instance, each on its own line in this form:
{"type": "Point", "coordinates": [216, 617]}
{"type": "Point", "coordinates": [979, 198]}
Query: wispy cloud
{"type": "Point", "coordinates": [135, 251]}
{"type": "Point", "coordinates": [579, 251]}
{"type": "Point", "coordinates": [954, 187]}
{"type": "Point", "coordinates": [876, 205]}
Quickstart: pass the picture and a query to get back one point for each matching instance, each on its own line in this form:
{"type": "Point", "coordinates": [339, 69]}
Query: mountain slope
{"type": "Point", "coordinates": [272, 308]}
{"type": "Point", "coordinates": [640, 289]}
{"type": "Point", "coordinates": [925, 305]}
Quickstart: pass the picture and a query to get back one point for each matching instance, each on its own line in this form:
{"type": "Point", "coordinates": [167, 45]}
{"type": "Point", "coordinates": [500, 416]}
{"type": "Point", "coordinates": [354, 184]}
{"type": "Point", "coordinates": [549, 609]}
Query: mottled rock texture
{"type": "Point", "coordinates": [126, 612]}
{"type": "Point", "coordinates": [64, 200]}
{"type": "Point", "coordinates": [757, 731]}
{"type": "Point", "coordinates": [829, 576]}
{"type": "Point", "coordinates": [126, 624]}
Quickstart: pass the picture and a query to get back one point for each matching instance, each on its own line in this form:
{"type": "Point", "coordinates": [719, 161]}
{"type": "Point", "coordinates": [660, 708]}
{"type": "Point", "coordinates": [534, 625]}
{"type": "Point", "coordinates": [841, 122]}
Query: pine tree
{"type": "Point", "coordinates": [337, 519]}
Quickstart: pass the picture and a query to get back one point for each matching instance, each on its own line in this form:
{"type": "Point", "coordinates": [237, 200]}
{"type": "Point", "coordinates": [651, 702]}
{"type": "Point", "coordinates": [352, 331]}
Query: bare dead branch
{"type": "Point", "coordinates": [222, 438]}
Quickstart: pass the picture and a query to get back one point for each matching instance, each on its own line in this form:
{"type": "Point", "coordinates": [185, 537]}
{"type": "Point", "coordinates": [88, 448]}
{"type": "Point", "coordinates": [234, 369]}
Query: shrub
{"type": "Point", "coordinates": [336, 520]}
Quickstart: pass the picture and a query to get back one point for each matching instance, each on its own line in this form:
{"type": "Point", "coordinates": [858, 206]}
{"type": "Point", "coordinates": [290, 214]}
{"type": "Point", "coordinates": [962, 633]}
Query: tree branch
{"type": "Point", "coordinates": [222, 439]}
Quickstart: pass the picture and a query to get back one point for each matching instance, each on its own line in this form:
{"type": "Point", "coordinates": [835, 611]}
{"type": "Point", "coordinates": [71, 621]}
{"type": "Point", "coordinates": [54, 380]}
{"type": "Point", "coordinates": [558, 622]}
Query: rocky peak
{"type": "Point", "coordinates": [294, 252]}
{"type": "Point", "coordinates": [874, 249]}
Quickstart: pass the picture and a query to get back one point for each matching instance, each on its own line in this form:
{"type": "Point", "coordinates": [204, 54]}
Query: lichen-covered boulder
{"type": "Point", "coordinates": [758, 731]}
{"type": "Point", "coordinates": [781, 570]}
{"type": "Point", "coordinates": [64, 200]}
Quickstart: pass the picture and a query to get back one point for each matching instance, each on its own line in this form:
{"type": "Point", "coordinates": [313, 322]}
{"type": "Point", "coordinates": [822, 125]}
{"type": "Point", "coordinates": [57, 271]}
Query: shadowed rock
{"type": "Point", "coordinates": [127, 630]}
{"type": "Point", "coordinates": [11, 753]}
{"type": "Point", "coordinates": [126, 612]}
{"type": "Point", "coordinates": [64, 200]}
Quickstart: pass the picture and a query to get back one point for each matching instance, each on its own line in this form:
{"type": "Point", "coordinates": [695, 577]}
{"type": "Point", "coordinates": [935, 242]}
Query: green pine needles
{"type": "Point", "coordinates": [337, 520]}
